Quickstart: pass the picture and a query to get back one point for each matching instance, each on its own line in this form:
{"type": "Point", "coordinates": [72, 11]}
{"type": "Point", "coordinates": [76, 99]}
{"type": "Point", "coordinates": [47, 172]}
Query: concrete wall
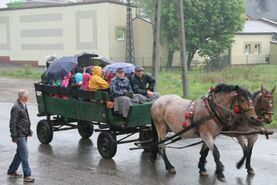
{"type": "Point", "coordinates": [238, 55]}
{"type": "Point", "coordinates": [32, 34]}
{"type": "Point", "coordinates": [143, 39]}
{"type": "Point", "coordinates": [273, 53]}
{"type": "Point", "coordinates": [117, 18]}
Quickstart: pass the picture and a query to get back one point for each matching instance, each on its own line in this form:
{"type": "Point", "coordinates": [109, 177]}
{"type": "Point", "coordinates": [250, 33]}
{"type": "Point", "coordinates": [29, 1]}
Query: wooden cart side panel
{"type": "Point", "coordinates": [56, 106]}
{"type": "Point", "coordinates": [90, 111]}
{"type": "Point", "coordinates": [73, 108]}
{"type": "Point", "coordinates": [139, 115]}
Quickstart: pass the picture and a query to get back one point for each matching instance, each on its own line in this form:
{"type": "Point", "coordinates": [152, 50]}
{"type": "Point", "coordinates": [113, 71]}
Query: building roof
{"type": "Point", "coordinates": [68, 4]}
{"type": "Point", "coordinates": [148, 20]}
{"type": "Point", "coordinates": [261, 26]}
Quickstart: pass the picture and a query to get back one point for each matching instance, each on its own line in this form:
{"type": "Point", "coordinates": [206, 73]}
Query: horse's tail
{"type": "Point", "coordinates": [154, 148]}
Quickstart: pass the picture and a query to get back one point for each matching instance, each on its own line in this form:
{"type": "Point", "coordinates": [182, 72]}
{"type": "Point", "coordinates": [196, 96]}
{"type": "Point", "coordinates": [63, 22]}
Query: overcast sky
{"type": "Point", "coordinates": [3, 3]}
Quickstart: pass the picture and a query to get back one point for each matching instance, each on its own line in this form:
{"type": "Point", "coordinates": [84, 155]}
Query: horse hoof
{"type": "Point", "coordinates": [239, 165]}
{"type": "Point", "coordinates": [251, 172]}
{"type": "Point", "coordinates": [221, 178]}
{"type": "Point", "coordinates": [204, 173]}
{"type": "Point", "coordinates": [171, 171]}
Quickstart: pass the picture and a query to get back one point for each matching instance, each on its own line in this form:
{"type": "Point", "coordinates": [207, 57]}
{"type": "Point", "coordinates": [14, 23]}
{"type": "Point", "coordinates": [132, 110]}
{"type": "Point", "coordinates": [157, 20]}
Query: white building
{"type": "Point", "coordinates": [30, 34]}
{"type": "Point", "coordinates": [253, 44]}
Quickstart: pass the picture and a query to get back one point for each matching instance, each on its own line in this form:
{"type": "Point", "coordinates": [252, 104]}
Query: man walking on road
{"type": "Point", "coordinates": [20, 128]}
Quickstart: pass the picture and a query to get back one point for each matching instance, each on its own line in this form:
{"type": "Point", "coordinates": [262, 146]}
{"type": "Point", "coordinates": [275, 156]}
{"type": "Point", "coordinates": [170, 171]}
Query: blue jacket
{"type": "Point", "coordinates": [119, 86]}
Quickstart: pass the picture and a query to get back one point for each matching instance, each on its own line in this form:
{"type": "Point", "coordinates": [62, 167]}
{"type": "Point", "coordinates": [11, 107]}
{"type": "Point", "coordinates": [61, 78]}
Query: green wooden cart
{"type": "Point", "coordinates": [82, 110]}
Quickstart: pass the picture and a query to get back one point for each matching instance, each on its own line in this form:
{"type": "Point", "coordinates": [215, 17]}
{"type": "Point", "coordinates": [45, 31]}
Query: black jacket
{"type": "Point", "coordinates": [139, 85]}
{"type": "Point", "coordinates": [20, 125]}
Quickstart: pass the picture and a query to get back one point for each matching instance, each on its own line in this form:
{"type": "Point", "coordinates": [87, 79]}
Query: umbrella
{"type": "Point", "coordinates": [127, 67]}
{"type": "Point", "coordinates": [61, 67]}
{"type": "Point", "coordinates": [102, 62]}
{"type": "Point", "coordinates": [84, 59]}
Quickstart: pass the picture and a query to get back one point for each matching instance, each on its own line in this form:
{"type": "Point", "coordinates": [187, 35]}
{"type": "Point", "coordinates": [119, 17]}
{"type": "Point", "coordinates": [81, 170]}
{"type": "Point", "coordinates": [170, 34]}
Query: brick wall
{"type": "Point", "coordinates": [6, 60]}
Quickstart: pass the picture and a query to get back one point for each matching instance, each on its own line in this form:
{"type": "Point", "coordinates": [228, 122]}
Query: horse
{"type": "Point", "coordinates": [207, 116]}
{"type": "Point", "coordinates": [263, 103]}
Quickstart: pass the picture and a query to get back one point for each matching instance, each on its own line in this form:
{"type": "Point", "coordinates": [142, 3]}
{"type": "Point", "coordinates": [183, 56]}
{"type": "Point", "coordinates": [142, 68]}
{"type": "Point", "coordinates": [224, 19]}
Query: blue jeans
{"type": "Point", "coordinates": [21, 156]}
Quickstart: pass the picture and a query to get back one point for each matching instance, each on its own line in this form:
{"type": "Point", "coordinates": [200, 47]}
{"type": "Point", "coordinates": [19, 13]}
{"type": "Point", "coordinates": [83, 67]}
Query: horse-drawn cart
{"type": "Point", "coordinates": [82, 110]}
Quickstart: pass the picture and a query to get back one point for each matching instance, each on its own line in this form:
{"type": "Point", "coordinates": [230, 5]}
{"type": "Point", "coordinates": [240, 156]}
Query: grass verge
{"type": "Point", "coordinates": [249, 77]}
{"type": "Point", "coordinates": [169, 81]}
{"type": "Point", "coordinates": [24, 72]}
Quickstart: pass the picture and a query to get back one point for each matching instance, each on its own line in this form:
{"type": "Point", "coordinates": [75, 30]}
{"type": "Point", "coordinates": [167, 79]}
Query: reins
{"type": "Point", "coordinates": [217, 109]}
{"type": "Point", "coordinates": [216, 112]}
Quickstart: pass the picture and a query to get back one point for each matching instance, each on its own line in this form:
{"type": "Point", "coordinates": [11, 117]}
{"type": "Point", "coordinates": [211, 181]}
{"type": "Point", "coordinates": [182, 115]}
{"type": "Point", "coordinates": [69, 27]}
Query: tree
{"type": "Point", "coordinates": [15, 4]}
{"type": "Point", "coordinates": [169, 25]}
{"type": "Point", "coordinates": [209, 24]}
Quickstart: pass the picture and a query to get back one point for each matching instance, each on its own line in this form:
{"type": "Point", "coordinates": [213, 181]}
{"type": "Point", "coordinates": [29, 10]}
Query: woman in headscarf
{"type": "Point", "coordinates": [85, 81]}
{"type": "Point", "coordinates": [66, 79]}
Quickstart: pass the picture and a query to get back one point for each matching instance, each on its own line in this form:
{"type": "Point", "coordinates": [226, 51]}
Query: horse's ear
{"type": "Point", "coordinates": [273, 89]}
{"type": "Point", "coordinates": [262, 87]}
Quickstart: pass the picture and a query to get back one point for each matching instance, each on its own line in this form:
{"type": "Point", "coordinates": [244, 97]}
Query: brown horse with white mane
{"type": "Point", "coordinates": [208, 116]}
{"type": "Point", "coordinates": [263, 103]}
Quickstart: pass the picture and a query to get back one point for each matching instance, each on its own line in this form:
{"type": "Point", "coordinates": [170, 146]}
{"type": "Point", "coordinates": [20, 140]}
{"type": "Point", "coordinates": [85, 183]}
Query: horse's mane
{"type": "Point", "coordinates": [229, 88]}
{"type": "Point", "coordinates": [257, 92]}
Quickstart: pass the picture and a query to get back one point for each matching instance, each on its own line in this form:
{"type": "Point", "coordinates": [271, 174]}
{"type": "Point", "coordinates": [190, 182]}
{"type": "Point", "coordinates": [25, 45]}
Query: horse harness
{"type": "Point", "coordinates": [215, 113]}
{"type": "Point", "coordinates": [220, 114]}
{"type": "Point", "coordinates": [268, 108]}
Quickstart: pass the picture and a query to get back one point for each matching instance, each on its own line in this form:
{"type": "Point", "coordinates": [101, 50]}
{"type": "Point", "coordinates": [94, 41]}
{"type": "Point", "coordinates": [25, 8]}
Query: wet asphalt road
{"type": "Point", "coordinates": [72, 160]}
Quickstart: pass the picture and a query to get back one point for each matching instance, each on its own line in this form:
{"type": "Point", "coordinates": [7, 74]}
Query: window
{"type": "Point", "coordinates": [120, 33]}
{"type": "Point", "coordinates": [257, 48]}
{"type": "Point", "coordinates": [247, 49]}
{"type": "Point", "coordinates": [252, 48]}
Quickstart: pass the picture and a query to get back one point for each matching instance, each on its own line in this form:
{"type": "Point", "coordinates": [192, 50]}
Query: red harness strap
{"type": "Point", "coordinates": [188, 114]}
{"type": "Point", "coordinates": [205, 99]}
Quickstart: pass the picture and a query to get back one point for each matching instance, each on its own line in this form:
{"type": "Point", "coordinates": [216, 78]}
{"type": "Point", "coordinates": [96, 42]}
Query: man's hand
{"type": "Point", "coordinates": [30, 134]}
{"type": "Point", "coordinates": [149, 93]}
{"type": "Point", "coordinates": [129, 94]}
{"type": "Point", "coordinates": [14, 140]}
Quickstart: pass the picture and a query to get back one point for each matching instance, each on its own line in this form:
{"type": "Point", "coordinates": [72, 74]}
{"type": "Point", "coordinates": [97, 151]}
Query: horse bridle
{"type": "Point", "coordinates": [218, 109]}
{"type": "Point", "coordinates": [236, 103]}
{"type": "Point", "coordinates": [269, 108]}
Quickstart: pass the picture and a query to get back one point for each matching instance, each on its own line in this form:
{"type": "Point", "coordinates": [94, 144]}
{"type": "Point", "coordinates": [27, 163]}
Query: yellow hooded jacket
{"type": "Point", "coordinates": [96, 81]}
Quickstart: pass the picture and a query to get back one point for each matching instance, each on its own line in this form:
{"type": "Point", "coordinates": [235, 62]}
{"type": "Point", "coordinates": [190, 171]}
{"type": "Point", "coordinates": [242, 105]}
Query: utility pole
{"type": "Point", "coordinates": [156, 40]}
{"type": "Point", "coordinates": [183, 51]}
{"type": "Point", "coordinates": [130, 49]}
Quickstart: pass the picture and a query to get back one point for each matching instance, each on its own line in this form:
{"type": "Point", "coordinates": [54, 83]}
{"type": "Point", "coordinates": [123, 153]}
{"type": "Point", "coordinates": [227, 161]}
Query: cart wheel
{"type": "Point", "coordinates": [106, 145]}
{"type": "Point", "coordinates": [44, 132]}
{"type": "Point", "coordinates": [146, 135]}
{"type": "Point", "coordinates": [85, 129]}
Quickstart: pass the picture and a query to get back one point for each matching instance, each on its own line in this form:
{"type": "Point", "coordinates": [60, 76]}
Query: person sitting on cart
{"type": "Point", "coordinates": [76, 78]}
{"type": "Point", "coordinates": [144, 84]}
{"type": "Point", "coordinates": [85, 81]}
{"type": "Point", "coordinates": [96, 81]}
{"type": "Point", "coordinates": [122, 93]}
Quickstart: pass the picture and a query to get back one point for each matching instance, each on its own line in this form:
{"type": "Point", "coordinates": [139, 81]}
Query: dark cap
{"type": "Point", "coordinates": [120, 70]}
{"type": "Point", "coordinates": [139, 68]}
